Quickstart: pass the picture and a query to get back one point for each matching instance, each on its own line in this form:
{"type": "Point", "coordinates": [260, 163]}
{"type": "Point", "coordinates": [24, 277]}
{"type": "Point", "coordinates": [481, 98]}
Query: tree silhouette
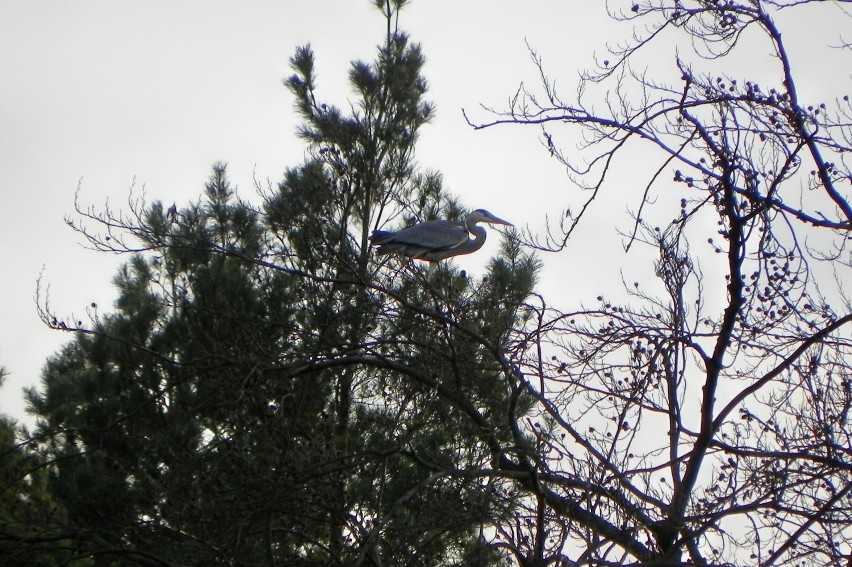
{"type": "Point", "coordinates": [263, 392]}
{"type": "Point", "coordinates": [697, 420]}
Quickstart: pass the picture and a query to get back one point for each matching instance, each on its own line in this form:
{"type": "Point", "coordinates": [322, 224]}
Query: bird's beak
{"type": "Point", "coordinates": [494, 220]}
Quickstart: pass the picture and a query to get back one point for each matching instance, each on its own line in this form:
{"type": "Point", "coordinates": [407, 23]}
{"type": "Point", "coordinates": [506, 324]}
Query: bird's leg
{"type": "Point", "coordinates": [431, 271]}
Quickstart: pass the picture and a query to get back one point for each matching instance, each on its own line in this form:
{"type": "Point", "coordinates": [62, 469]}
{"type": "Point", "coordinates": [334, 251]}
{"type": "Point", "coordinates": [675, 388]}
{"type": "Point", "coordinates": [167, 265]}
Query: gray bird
{"type": "Point", "coordinates": [436, 240]}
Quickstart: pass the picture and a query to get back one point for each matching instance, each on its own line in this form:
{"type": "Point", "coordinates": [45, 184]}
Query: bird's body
{"type": "Point", "coordinates": [436, 240]}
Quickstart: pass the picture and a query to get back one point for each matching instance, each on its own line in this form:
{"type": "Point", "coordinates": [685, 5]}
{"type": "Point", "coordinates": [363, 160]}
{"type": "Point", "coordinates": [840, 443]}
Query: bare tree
{"type": "Point", "coordinates": [698, 420]}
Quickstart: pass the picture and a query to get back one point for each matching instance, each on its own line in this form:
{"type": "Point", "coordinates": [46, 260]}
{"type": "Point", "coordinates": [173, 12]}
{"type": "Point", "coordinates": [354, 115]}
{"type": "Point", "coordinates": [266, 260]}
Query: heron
{"type": "Point", "coordinates": [436, 240]}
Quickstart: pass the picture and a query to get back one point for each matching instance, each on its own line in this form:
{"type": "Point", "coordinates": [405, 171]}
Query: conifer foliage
{"type": "Point", "coordinates": [264, 392]}
{"type": "Point", "coordinates": [267, 392]}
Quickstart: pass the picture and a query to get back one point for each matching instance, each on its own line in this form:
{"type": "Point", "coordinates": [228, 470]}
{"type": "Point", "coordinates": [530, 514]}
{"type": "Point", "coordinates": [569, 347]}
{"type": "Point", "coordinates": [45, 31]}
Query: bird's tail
{"type": "Point", "coordinates": [379, 237]}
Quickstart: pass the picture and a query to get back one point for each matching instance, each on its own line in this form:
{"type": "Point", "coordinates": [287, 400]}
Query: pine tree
{"type": "Point", "coordinates": [265, 392]}
{"type": "Point", "coordinates": [31, 522]}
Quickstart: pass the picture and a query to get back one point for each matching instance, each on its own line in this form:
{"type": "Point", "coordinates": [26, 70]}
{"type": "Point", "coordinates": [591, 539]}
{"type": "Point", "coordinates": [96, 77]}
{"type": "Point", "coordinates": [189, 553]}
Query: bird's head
{"type": "Point", "coordinates": [481, 215]}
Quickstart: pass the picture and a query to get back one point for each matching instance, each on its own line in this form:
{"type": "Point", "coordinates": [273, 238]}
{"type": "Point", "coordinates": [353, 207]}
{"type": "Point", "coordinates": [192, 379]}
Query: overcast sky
{"type": "Point", "coordinates": [102, 93]}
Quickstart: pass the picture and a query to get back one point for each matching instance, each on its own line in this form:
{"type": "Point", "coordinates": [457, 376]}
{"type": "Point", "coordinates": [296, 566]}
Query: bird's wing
{"type": "Point", "coordinates": [431, 235]}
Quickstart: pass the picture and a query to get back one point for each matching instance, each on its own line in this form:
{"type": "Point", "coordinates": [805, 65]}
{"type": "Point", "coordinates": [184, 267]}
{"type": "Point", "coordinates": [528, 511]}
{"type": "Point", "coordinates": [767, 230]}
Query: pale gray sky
{"type": "Point", "coordinates": [102, 92]}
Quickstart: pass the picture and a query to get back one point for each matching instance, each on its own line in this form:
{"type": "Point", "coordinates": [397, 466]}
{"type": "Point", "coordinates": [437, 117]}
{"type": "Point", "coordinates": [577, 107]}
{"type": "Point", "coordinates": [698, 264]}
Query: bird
{"type": "Point", "coordinates": [172, 213]}
{"type": "Point", "coordinates": [436, 240]}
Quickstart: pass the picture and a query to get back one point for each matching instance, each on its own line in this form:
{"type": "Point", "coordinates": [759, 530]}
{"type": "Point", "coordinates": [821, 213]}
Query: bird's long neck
{"type": "Point", "coordinates": [478, 236]}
